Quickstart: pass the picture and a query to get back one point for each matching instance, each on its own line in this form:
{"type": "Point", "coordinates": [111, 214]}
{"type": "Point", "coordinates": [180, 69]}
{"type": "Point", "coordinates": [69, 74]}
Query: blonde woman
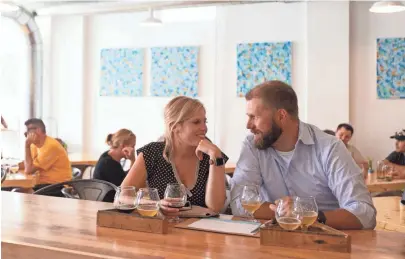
{"type": "Point", "coordinates": [185, 156]}
{"type": "Point", "coordinates": [108, 167]}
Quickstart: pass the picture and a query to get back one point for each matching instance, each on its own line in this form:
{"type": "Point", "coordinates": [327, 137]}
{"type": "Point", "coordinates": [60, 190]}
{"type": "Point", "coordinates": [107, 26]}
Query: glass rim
{"type": "Point", "coordinates": [126, 188]}
{"type": "Point", "coordinates": [304, 198]}
{"type": "Point", "coordinates": [148, 189]}
{"type": "Point", "coordinates": [175, 184]}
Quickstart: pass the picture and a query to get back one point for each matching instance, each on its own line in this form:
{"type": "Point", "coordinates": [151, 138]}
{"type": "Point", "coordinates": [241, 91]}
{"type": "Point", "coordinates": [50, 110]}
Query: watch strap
{"type": "Point", "coordinates": [321, 217]}
{"type": "Point", "coordinates": [217, 162]}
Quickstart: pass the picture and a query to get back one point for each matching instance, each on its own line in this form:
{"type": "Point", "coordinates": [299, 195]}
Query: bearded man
{"type": "Point", "coordinates": [286, 158]}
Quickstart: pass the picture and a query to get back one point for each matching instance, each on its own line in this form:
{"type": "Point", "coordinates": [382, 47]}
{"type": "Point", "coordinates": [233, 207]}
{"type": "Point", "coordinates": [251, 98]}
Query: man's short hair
{"type": "Point", "coordinates": [276, 94]}
{"type": "Point", "coordinates": [37, 122]}
{"type": "Point", "coordinates": [346, 126]}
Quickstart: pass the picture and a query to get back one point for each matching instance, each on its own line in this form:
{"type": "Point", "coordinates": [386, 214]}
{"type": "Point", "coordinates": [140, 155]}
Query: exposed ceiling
{"type": "Point", "coordinates": [71, 7]}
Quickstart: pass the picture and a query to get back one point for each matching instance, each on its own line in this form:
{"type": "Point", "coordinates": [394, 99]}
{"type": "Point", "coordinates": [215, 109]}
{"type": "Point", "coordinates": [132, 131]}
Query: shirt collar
{"type": "Point", "coordinates": [304, 135]}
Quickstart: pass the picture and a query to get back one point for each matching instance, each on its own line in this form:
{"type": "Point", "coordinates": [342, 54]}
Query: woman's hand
{"type": "Point", "coordinates": [205, 146]}
{"type": "Point", "coordinates": [129, 153]}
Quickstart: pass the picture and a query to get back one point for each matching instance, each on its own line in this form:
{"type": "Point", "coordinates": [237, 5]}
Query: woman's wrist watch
{"type": "Point", "coordinates": [217, 161]}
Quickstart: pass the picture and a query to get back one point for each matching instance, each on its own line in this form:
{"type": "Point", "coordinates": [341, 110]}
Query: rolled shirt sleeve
{"type": "Point", "coordinates": [247, 172]}
{"type": "Point", "coordinates": [347, 184]}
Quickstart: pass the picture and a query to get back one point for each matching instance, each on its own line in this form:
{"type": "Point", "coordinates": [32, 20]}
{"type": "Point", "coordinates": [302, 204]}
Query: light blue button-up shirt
{"type": "Point", "coordinates": [320, 166]}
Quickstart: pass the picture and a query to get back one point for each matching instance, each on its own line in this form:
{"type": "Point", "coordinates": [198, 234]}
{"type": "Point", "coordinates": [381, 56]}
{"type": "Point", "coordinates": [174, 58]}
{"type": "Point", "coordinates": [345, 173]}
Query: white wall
{"type": "Point", "coordinates": [322, 64]}
{"type": "Point", "coordinates": [67, 78]}
{"type": "Point", "coordinates": [319, 33]}
{"type": "Point", "coordinates": [253, 23]}
{"type": "Point", "coordinates": [143, 115]}
{"type": "Point", "coordinates": [374, 120]}
{"type": "Point", "coordinates": [327, 46]}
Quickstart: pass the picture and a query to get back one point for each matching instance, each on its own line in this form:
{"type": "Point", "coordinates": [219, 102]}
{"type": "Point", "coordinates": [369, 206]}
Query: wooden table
{"type": "Point", "coordinates": [50, 227]}
{"type": "Point", "coordinates": [389, 216]}
{"type": "Point", "coordinates": [83, 159]}
{"type": "Point", "coordinates": [382, 186]}
{"type": "Point", "coordinates": [20, 179]}
{"type": "Point", "coordinates": [230, 168]}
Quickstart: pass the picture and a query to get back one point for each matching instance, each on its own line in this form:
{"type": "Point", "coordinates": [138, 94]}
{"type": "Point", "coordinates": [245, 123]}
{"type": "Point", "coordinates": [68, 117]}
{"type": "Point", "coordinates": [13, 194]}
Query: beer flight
{"type": "Point", "coordinates": [290, 214]}
{"type": "Point", "coordinates": [147, 202]}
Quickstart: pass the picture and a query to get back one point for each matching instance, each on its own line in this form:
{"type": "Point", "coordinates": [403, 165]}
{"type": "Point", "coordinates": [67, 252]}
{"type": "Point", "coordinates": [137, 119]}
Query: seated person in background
{"type": "Point", "coordinates": [286, 157]}
{"type": "Point", "coordinates": [397, 158]}
{"type": "Point", "coordinates": [345, 132]}
{"type": "Point", "coordinates": [45, 155]}
{"type": "Point", "coordinates": [330, 132]}
{"type": "Point", "coordinates": [108, 167]}
{"type": "Point", "coordinates": [185, 157]}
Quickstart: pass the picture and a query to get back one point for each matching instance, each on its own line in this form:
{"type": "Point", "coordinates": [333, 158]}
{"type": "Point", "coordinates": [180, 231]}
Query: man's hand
{"type": "Point", "coordinates": [287, 205]}
{"type": "Point", "coordinates": [31, 138]}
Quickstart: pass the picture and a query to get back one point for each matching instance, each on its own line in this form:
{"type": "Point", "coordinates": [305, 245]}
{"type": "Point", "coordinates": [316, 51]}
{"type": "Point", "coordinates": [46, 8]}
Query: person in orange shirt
{"type": "Point", "coordinates": [45, 155]}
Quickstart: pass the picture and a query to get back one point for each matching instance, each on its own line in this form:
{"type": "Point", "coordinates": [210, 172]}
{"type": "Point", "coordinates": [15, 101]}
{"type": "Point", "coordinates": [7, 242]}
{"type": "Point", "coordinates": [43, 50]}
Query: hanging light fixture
{"type": "Point", "coordinates": [387, 7]}
{"type": "Point", "coordinates": [151, 20]}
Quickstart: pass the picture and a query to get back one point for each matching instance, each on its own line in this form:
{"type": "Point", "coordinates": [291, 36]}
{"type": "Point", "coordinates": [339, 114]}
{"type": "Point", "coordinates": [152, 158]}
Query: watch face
{"type": "Point", "coordinates": [220, 161]}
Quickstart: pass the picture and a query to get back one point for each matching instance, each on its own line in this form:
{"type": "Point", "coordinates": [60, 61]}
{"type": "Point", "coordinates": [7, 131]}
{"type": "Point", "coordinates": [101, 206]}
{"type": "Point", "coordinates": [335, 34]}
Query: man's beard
{"type": "Point", "coordinates": [269, 138]}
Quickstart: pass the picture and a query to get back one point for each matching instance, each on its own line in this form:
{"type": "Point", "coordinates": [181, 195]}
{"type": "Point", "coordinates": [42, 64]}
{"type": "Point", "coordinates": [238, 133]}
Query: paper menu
{"type": "Point", "coordinates": [225, 226]}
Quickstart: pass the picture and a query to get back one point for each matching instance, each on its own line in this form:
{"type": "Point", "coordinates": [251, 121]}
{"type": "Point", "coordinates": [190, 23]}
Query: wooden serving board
{"type": "Point", "coordinates": [112, 218]}
{"type": "Point", "coordinates": [318, 237]}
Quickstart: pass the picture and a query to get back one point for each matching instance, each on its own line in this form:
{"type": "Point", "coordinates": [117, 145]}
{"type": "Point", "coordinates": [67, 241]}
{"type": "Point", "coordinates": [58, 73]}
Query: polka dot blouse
{"type": "Point", "coordinates": [160, 172]}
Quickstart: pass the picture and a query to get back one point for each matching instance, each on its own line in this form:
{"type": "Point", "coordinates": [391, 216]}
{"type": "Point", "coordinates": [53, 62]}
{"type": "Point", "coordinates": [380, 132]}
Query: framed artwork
{"type": "Point", "coordinates": [391, 68]}
{"type": "Point", "coordinates": [262, 61]}
{"type": "Point", "coordinates": [174, 71]}
{"type": "Point", "coordinates": [121, 72]}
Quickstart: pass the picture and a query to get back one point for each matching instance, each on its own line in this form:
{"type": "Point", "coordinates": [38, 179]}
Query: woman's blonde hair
{"type": "Point", "coordinates": [178, 110]}
{"type": "Point", "coordinates": [121, 137]}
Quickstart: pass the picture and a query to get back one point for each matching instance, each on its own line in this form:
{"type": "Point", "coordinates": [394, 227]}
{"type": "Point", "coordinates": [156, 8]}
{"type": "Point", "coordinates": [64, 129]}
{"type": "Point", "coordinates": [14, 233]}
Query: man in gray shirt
{"type": "Point", "coordinates": [286, 157]}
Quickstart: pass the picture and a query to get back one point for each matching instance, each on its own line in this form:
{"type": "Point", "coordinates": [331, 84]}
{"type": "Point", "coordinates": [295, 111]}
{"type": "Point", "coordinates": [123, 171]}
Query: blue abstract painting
{"type": "Point", "coordinates": [174, 71]}
{"type": "Point", "coordinates": [260, 62]}
{"type": "Point", "coordinates": [121, 72]}
{"type": "Point", "coordinates": [391, 68]}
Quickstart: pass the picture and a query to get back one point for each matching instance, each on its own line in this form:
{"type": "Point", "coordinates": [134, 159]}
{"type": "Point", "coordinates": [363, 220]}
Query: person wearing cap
{"type": "Point", "coordinates": [397, 158]}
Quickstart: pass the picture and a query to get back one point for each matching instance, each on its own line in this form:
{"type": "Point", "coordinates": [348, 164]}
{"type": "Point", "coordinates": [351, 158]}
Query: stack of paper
{"type": "Point", "coordinates": [225, 226]}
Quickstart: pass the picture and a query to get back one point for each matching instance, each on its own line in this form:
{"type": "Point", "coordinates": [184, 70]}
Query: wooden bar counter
{"type": "Point", "coordinates": [46, 227]}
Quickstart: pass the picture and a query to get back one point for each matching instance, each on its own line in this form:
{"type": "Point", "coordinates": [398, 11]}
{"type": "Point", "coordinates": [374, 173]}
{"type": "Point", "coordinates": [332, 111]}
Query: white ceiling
{"type": "Point", "coordinates": [71, 7]}
{"type": "Point", "coordinates": [57, 7]}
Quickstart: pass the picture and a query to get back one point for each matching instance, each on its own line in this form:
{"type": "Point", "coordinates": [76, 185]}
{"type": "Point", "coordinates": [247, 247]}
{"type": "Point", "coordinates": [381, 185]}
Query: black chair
{"type": "Point", "coordinates": [76, 173]}
{"type": "Point", "coordinates": [86, 189]}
